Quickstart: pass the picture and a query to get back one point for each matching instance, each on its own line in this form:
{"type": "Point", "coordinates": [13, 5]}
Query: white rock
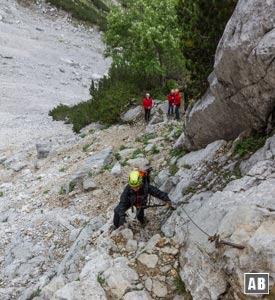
{"type": "Point", "coordinates": [159, 289]}
{"type": "Point", "coordinates": [116, 169]}
{"type": "Point", "coordinates": [137, 295]}
{"type": "Point", "coordinates": [131, 246]}
{"type": "Point", "coordinates": [148, 260]}
{"type": "Point", "coordinates": [148, 284]}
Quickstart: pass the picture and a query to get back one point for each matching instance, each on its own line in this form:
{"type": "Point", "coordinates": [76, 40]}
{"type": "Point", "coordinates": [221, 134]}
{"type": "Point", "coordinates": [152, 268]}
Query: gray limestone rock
{"type": "Point", "coordinates": [159, 289]}
{"type": "Point", "coordinates": [137, 295]}
{"type": "Point", "coordinates": [132, 114]}
{"type": "Point", "coordinates": [126, 152]}
{"type": "Point", "coordinates": [207, 283]}
{"type": "Point", "coordinates": [180, 142]}
{"type": "Point", "coordinates": [156, 119]}
{"type": "Point", "coordinates": [119, 278]}
{"type": "Point", "coordinates": [89, 185]}
{"type": "Point", "coordinates": [241, 93]}
{"type": "Point", "coordinates": [75, 251]}
{"type": "Point", "coordinates": [206, 154]}
{"type": "Point", "coordinates": [148, 260]}
{"type": "Point", "coordinates": [138, 162]}
{"type": "Point", "coordinates": [95, 163]}
{"type": "Point", "coordinates": [2, 159]}
{"type": "Point", "coordinates": [18, 166]}
{"type": "Point", "coordinates": [116, 170]}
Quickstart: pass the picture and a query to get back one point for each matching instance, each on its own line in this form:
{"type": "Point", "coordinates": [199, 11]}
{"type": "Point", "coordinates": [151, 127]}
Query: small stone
{"type": "Point", "coordinates": [148, 284]}
{"type": "Point", "coordinates": [159, 289]}
{"type": "Point", "coordinates": [148, 260]}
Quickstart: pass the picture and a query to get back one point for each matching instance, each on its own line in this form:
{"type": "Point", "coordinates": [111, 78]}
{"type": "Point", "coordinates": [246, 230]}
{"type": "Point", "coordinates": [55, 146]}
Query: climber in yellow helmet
{"type": "Point", "coordinates": [136, 194]}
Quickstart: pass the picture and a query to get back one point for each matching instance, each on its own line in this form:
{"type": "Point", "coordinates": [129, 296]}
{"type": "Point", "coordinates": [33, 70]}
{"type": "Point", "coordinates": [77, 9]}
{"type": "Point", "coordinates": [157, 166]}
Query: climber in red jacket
{"type": "Point", "coordinates": [177, 103]}
{"type": "Point", "coordinates": [147, 103]}
{"type": "Point", "coordinates": [170, 98]}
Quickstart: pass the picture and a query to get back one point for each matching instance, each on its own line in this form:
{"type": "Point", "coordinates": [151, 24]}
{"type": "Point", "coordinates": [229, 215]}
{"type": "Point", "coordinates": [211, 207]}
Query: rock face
{"type": "Point", "coordinates": [241, 94]}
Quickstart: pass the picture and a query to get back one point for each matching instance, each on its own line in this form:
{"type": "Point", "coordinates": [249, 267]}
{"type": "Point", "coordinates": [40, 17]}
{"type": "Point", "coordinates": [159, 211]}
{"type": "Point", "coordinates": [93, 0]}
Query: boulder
{"type": "Point", "coordinates": [132, 114]}
{"type": "Point", "coordinates": [242, 85]}
{"type": "Point", "coordinates": [95, 164]}
{"type": "Point", "coordinates": [119, 278]}
{"type": "Point", "coordinates": [116, 169]}
{"type": "Point", "coordinates": [43, 150]}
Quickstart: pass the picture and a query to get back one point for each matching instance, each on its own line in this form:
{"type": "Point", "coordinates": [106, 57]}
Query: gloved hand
{"type": "Point", "coordinates": [169, 203]}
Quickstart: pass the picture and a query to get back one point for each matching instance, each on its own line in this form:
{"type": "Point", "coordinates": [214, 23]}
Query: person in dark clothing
{"type": "Point", "coordinates": [136, 194]}
{"type": "Point", "coordinates": [185, 96]}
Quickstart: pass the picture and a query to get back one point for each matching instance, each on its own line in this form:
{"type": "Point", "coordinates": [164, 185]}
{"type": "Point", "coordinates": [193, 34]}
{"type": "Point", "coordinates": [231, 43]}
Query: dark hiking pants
{"type": "Point", "coordinates": [147, 114]}
{"type": "Point", "coordinates": [116, 220]}
{"type": "Point", "coordinates": [177, 111]}
{"type": "Point", "coordinates": [170, 109]}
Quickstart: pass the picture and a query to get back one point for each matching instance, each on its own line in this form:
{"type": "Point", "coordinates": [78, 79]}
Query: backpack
{"type": "Point", "coordinates": [146, 175]}
{"type": "Point", "coordinates": [146, 181]}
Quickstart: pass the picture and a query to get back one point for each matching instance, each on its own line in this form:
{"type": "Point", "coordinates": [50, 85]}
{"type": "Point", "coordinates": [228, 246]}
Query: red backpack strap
{"type": "Point", "coordinates": [142, 173]}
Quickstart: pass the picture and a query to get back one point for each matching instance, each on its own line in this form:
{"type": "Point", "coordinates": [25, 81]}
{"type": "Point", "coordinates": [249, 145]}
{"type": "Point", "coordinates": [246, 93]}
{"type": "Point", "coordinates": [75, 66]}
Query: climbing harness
{"type": "Point", "coordinates": [148, 204]}
{"type": "Point", "coordinates": [216, 237]}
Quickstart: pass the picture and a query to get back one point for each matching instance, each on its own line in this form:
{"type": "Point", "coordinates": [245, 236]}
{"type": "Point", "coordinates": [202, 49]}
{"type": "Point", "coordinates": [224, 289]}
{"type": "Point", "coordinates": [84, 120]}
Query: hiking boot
{"type": "Point", "coordinates": [143, 222]}
{"type": "Point", "coordinates": [112, 228]}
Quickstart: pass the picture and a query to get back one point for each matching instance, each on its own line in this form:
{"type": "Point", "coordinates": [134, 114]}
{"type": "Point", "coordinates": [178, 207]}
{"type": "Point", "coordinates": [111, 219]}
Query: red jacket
{"type": "Point", "coordinates": [147, 103]}
{"type": "Point", "coordinates": [171, 98]}
{"type": "Point", "coordinates": [177, 99]}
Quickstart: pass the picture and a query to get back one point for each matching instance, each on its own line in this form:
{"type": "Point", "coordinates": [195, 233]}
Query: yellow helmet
{"type": "Point", "coordinates": [135, 179]}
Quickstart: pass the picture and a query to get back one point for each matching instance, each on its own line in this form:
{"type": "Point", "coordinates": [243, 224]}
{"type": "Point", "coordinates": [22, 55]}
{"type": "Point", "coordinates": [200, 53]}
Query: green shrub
{"type": "Point", "coordinates": [178, 133]}
{"type": "Point", "coordinates": [1, 194]}
{"type": "Point", "coordinates": [86, 147]}
{"type": "Point", "coordinates": [93, 12]}
{"type": "Point", "coordinates": [34, 294]}
{"type": "Point", "coordinates": [107, 167]}
{"type": "Point", "coordinates": [186, 166]}
{"type": "Point", "coordinates": [180, 288]}
{"type": "Point", "coordinates": [122, 147]}
{"type": "Point", "coordinates": [155, 149]}
{"type": "Point", "coordinates": [145, 139]}
{"type": "Point", "coordinates": [62, 190]}
{"type": "Point", "coordinates": [191, 190]}
{"type": "Point", "coordinates": [136, 153]}
{"type": "Point", "coordinates": [109, 99]}
{"type": "Point", "coordinates": [60, 113]}
{"type": "Point", "coordinates": [124, 163]}
{"type": "Point", "coordinates": [71, 186]}
{"type": "Point", "coordinates": [100, 280]}
{"type": "Point", "coordinates": [178, 153]}
{"type": "Point", "coordinates": [117, 156]}
{"type": "Point", "coordinates": [170, 84]}
{"type": "Point", "coordinates": [232, 175]}
{"type": "Point", "coordinates": [202, 23]}
{"type": "Point", "coordinates": [173, 169]}
{"type": "Point", "coordinates": [250, 145]}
